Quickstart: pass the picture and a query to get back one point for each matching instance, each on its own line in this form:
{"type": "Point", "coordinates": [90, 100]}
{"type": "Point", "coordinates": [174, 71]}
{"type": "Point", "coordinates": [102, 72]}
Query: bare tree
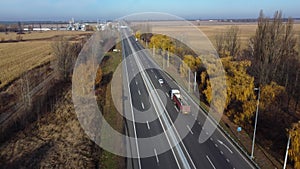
{"type": "Point", "coordinates": [272, 45]}
{"type": "Point", "coordinates": [233, 41]}
{"type": "Point", "coordinates": [228, 41]}
{"type": "Point", "coordinates": [66, 54]}
{"type": "Point", "coordinates": [219, 44]}
{"type": "Point", "coordinates": [60, 49]}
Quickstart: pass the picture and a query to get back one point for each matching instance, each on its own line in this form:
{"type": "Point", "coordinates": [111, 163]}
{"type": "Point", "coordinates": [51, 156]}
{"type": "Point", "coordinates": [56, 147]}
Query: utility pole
{"type": "Point", "coordinates": [195, 83]}
{"type": "Point", "coordinates": [256, 115]}
{"type": "Point", "coordinates": [168, 58]}
{"type": "Point", "coordinates": [163, 60]}
{"type": "Point", "coordinates": [153, 51]}
{"type": "Point", "coordinates": [287, 151]}
{"type": "Point", "coordinates": [189, 79]}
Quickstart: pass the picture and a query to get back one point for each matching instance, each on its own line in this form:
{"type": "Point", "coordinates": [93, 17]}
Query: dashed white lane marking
{"type": "Point", "coordinates": [136, 83]}
{"type": "Point", "coordinates": [221, 152]}
{"type": "Point", "coordinates": [199, 123]}
{"type": "Point", "coordinates": [157, 160]}
{"type": "Point", "coordinates": [148, 125]}
{"type": "Point", "coordinates": [189, 129]}
{"type": "Point", "coordinates": [151, 70]}
{"type": "Point", "coordinates": [176, 109]}
{"type": "Point", "coordinates": [216, 145]}
{"type": "Point", "coordinates": [210, 162]}
{"type": "Point", "coordinates": [139, 91]}
{"type": "Point", "coordinates": [211, 139]}
{"type": "Point", "coordinates": [143, 105]}
{"type": "Point", "coordinates": [227, 160]}
{"type": "Point", "coordinates": [167, 94]}
{"type": "Point", "coordinates": [155, 77]}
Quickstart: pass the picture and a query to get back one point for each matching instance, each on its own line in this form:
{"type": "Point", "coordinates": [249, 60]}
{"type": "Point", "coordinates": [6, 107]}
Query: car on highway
{"type": "Point", "coordinates": [160, 81]}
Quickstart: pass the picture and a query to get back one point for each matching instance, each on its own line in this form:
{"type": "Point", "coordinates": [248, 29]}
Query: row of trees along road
{"type": "Point", "coordinates": [271, 61]}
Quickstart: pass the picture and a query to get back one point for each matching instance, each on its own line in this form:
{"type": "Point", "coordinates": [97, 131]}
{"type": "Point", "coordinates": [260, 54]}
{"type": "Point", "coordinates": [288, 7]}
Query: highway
{"type": "Point", "coordinates": [151, 114]}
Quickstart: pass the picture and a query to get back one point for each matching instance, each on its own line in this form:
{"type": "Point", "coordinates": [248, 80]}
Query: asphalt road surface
{"type": "Point", "coordinates": [152, 113]}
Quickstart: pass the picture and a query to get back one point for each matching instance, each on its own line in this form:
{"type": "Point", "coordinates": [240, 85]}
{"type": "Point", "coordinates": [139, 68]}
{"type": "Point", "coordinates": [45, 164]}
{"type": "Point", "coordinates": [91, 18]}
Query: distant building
{"type": "Point", "coordinates": [38, 29]}
{"type": "Point", "coordinates": [76, 26]}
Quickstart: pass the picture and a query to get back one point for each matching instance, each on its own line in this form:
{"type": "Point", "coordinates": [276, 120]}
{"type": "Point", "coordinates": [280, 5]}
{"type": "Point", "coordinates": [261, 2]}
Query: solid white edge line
{"type": "Point", "coordinates": [174, 127]}
{"type": "Point", "coordinates": [176, 109]}
{"type": "Point", "coordinates": [134, 128]}
{"type": "Point", "coordinates": [218, 129]}
{"type": "Point", "coordinates": [210, 162]}
{"type": "Point", "coordinates": [130, 45]}
{"type": "Point", "coordinates": [189, 129]}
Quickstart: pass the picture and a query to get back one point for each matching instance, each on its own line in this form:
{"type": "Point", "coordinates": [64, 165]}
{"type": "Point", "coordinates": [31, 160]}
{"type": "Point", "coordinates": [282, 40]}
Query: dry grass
{"type": "Point", "coordinates": [110, 113]}
{"type": "Point", "coordinates": [18, 57]}
{"type": "Point", "coordinates": [56, 140]}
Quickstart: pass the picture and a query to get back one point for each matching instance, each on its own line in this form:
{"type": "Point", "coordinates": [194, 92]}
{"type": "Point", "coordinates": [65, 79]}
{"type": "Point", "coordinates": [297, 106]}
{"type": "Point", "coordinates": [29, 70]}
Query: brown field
{"type": "Point", "coordinates": [40, 35]}
{"type": "Point", "coordinates": [35, 49]}
{"type": "Point", "coordinates": [246, 30]}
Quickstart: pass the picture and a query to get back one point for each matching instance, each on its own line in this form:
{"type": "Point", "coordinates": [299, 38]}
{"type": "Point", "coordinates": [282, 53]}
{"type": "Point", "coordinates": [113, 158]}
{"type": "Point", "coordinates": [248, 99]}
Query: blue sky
{"type": "Point", "coordinates": [15, 10]}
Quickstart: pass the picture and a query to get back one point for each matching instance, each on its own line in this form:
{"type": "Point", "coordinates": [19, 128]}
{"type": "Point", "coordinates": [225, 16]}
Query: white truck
{"type": "Point", "coordinates": [181, 105]}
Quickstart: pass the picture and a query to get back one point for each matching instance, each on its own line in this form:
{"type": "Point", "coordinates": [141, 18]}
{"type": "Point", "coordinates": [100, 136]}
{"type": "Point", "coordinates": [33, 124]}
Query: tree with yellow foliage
{"type": "Point", "coordinates": [161, 42]}
{"type": "Point", "coordinates": [240, 102]}
{"type": "Point", "coordinates": [192, 62]}
{"type": "Point", "coordinates": [240, 91]}
{"type": "Point", "coordinates": [138, 34]}
{"type": "Point", "coordinates": [294, 151]}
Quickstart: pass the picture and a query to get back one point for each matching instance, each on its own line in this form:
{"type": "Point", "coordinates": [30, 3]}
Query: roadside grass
{"type": "Point", "coordinates": [55, 140]}
{"type": "Point", "coordinates": [109, 111]}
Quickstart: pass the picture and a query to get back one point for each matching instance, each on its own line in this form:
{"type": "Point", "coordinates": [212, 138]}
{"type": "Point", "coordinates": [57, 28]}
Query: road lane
{"type": "Point", "coordinates": [226, 159]}
{"type": "Point", "coordinates": [217, 152]}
